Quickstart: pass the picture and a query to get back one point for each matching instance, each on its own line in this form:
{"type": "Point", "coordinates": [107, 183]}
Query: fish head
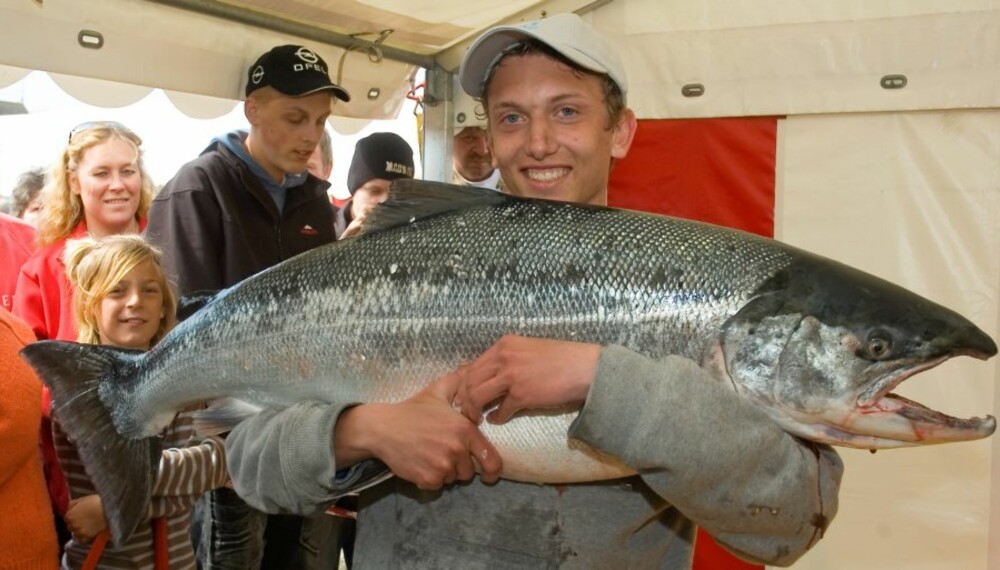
{"type": "Point", "coordinates": [820, 346]}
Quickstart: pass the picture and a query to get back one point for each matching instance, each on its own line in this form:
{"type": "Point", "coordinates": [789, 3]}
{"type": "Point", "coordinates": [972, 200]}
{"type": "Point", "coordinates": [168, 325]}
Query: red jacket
{"type": "Point", "coordinates": [17, 242]}
{"type": "Point", "coordinates": [43, 297]}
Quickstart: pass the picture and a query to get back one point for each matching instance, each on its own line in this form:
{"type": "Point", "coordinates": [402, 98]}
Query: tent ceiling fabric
{"type": "Point", "coordinates": [776, 57]}
{"type": "Point", "coordinates": [149, 45]}
{"type": "Point", "coordinates": [443, 23]}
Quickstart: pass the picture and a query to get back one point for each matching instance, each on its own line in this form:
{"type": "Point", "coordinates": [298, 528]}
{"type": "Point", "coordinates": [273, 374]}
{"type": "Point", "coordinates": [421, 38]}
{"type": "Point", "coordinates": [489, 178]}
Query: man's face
{"type": "Point", "coordinates": [369, 195]}
{"type": "Point", "coordinates": [548, 128]}
{"type": "Point", "coordinates": [33, 211]}
{"type": "Point", "coordinates": [285, 130]}
{"type": "Point", "coordinates": [317, 166]}
{"type": "Point", "coordinates": [471, 154]}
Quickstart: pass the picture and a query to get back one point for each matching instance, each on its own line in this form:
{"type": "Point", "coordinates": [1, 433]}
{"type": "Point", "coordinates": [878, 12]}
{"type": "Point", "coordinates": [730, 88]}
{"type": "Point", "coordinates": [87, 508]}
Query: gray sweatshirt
{"type": "Point", "coordinates": [705, 457]}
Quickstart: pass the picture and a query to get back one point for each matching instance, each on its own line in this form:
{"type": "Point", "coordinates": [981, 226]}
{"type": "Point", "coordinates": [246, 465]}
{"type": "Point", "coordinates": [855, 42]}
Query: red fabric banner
{"type": "Point", "coordinates": [713, 170]}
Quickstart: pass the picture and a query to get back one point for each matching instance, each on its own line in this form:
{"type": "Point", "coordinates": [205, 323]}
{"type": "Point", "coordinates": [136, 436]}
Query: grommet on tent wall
{"type": "Point", "coordinates": [373, 93]}
{"type": "Point", "coordinates": [90, 39]}
{"type": "Point", "coordinates": [693, 90]}
{"type": "Point", "coordinates": [897, 81]}
{"type": "Point", "coordinates": [460, 118]}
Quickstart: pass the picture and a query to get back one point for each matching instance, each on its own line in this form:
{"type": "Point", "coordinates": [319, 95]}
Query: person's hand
{"type": "Point", "coordinates": [353, 228]}
{"type": "Point", "coordinates": [422, 439]}
{"type": "Point", "coordinates": [526, 373]}
{"type": "Point", "coordinates": [85, 518]}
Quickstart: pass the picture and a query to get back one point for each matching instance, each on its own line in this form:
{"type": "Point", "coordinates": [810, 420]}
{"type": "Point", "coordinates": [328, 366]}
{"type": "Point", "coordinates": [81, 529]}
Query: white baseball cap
{"type": "Point", "coordinates": [567, 34]}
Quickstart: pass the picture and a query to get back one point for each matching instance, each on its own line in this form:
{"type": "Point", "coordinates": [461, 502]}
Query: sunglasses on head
{"type": "Point", "coordinates": [96, 125]}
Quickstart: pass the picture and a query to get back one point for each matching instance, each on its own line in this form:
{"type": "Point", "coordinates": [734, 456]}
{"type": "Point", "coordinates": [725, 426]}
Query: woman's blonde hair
{"type": "Point", "coordinates": [96, 266]}
{"type": "Point", "coordinates": [63, 209]}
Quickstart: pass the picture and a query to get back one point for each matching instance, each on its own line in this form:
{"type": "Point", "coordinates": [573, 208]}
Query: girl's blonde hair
{"type": "Point", "coordinates": [63, 209]}
{"type": "Point", "coordinates": [96, 266]}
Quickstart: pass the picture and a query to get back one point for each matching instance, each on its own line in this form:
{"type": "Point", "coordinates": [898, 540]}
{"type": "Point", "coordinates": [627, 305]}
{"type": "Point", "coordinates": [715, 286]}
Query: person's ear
{"type": "Point", "coordinates": [489, 147]}
{"type": "Point", "coordinates": [251, 110]}
{"type": "Point", "coordinates": [624, 133]}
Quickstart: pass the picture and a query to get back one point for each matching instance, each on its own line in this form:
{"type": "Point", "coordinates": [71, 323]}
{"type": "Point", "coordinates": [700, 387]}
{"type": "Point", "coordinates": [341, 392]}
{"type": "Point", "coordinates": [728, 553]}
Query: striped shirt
{"type": "Point", "coordinates": [189, 467]}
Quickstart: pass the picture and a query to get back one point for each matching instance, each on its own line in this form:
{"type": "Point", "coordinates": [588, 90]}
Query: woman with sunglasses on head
{"type": "Point", "coordinates": [97, 187]}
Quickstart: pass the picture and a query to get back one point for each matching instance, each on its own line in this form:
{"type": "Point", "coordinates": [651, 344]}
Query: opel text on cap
{"type": "Point", "coordinates": [567, 34]}
{"type": "Point", "coordinates": [294, 71]}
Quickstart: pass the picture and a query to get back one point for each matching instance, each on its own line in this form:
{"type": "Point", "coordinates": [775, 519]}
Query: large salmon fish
{"type": "Point", "coordinates": [443, 272]}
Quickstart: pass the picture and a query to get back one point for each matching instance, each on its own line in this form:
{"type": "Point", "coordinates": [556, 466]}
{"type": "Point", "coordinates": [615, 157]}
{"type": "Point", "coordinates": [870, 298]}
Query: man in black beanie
{"type": "Point", "coordinates": [379, 159]}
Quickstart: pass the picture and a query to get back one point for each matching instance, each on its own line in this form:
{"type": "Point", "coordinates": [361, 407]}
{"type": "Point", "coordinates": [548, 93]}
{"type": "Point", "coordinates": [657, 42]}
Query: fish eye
{"type": "Point", "coordinates": [879, 345]}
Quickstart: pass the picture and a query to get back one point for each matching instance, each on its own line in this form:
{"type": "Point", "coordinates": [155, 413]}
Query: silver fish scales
{"type": "Point", "coordinates": [444, 272]}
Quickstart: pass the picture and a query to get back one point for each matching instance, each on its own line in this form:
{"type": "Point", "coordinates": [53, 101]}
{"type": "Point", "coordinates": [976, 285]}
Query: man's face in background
{"type": "Point", "coordinates": [471, 154]}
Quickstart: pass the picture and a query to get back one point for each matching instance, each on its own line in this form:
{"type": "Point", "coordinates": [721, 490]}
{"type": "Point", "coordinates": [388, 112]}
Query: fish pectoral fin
{"type": "Point", "coordinates": [222, 415]}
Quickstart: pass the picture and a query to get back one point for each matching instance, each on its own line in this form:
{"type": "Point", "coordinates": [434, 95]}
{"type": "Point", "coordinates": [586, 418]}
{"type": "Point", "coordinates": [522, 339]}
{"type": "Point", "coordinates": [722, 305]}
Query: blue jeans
{"type": "Point", "coordinates": [234, 537]}
{"type": "Point", "coordinates": [227, 533]}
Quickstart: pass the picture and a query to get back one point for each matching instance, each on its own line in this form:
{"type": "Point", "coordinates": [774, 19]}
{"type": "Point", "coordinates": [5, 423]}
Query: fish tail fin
{"type": "Point", "coordinates": [222, 415]}
{"type": "Point", "coordinates": [123, 470]}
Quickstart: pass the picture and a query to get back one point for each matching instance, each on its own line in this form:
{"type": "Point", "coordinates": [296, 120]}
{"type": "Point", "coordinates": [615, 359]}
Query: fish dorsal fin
{"type": "Point", "coordinates": [411, 200]}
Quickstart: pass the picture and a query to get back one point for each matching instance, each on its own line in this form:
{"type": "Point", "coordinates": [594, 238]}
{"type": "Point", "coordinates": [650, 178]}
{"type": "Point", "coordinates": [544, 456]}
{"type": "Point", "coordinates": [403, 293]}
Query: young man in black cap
{"type": "Point", "coordinates": [245, 204]}
{"type": "Point", "coordinates": [378, 159]}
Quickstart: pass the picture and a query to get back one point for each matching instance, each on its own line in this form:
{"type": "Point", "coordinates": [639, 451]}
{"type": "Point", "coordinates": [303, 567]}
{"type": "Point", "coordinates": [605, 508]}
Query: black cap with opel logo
{"type": "Point", "coordinates": [293, 70]}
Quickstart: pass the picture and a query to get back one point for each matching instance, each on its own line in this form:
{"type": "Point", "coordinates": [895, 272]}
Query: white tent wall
{"type": "Point", "coordinates": [913, 198]}
{"type": "Point", "coordinates": [786, 57]}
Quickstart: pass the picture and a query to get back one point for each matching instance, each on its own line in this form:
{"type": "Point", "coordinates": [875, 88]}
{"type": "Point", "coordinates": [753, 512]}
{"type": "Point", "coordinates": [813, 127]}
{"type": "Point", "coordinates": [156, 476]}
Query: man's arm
{"type": "Point", "coordinates": [186, 224]}
{"type": "Point", "coordinates": [762, 493]}
{"type": "Point", "coordinates": [296, 460]}
{"type": "Point", "coordinates": [720, 460]}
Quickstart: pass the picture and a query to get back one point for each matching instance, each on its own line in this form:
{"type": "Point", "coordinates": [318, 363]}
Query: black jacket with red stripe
{"type": "Point", "coordinates": [217, 225]}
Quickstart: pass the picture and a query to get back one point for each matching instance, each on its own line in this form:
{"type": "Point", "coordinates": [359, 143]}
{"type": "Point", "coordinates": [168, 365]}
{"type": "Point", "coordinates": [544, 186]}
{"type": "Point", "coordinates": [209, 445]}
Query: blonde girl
{"type": "Point", "coordinates": [123, 299]}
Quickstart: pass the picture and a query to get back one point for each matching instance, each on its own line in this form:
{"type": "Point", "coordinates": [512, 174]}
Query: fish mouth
{"type": "Point", "coordinates": [881, 419]}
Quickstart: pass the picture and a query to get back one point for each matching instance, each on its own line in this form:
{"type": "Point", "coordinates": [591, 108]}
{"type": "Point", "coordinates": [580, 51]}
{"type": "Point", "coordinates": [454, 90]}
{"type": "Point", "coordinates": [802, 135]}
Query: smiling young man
{"type": "Point", "coordinates": [247, 203]}
{"type": "Point", "coordinates": [554, 91]}
{"type": "Point", "coordinates": [552, 132]}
